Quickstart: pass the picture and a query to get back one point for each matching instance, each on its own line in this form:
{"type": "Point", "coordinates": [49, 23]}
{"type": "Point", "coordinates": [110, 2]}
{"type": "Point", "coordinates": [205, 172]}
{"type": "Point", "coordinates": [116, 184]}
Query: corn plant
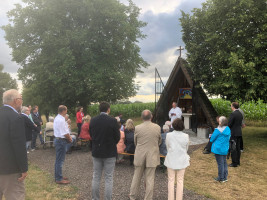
{"type": "Point", "coordinates": [127, 110]}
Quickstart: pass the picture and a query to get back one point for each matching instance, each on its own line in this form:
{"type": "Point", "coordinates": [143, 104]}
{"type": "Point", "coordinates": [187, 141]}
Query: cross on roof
{"type": "Point", "coordinates": [180, 49]}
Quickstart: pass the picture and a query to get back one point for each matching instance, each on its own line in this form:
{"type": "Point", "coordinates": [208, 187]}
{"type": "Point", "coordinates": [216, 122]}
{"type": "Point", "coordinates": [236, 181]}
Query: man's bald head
{"type": "Point", "coordinates": [146, 115]}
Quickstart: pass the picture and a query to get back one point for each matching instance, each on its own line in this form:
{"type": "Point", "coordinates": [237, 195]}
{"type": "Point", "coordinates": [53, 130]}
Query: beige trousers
{"type": "Point", "coordinates": [179, 185]}
{"type": "Point", "coordinates": [149, 182]}
{"type": "Point", "coordinates": [11, 188]}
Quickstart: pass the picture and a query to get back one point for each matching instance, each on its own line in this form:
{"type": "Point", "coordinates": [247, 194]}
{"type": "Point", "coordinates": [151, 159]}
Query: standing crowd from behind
{"type": "Point", "coordinates": [109, 139]}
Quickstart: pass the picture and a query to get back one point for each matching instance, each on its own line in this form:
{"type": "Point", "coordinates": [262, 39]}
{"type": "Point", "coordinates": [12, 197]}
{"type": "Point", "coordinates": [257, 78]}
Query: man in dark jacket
{"type": "Point", "coordinates": [13, 156]}
{"type": "Point", "coordinates": [235, 124]}
{"type": "Point", "coordinates": [36, 117]}
{"type": "Point", "coordinates": [105, 134]}
{"type": "Point", "coordinates": [29, 126]}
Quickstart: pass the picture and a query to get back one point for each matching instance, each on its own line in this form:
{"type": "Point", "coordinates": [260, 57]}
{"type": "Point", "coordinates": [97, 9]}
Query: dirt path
{"type": "Point", "coordinates": [78, 168]}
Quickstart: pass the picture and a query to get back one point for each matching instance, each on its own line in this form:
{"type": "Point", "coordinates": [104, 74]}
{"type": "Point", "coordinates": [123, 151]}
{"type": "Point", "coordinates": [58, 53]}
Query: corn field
{"type": "Point", "coordinates": [254, 110]}
{"type": "Point", "coordinates": [127, 110]}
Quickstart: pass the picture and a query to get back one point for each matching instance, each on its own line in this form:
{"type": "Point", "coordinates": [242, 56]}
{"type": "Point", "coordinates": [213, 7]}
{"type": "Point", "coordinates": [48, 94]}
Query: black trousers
{"type": "Point", "coordinates": [241, 144]}
{"type": "Point", "coordinates": [79, 125]}
{"type": "Point", "coordinates": [236, 154]}
{"type": "Point", "coordinates": [131, 159]}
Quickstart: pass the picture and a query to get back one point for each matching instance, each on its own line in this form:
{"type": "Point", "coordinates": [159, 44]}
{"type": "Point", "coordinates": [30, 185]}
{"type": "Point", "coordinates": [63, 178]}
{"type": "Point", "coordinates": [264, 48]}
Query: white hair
{"type": "Point", "coordinates": [165, 128]}
{"type": "Point", "coordinates": [10, 95]}
{"type": "Point", "coordinates": [168, 123]}
{"type": "Point", "coordinates": [223, 121]}
{"type": "Point", "coordinates": [24, 109]}
{"type": "Point", "coordinates": [51, 119]}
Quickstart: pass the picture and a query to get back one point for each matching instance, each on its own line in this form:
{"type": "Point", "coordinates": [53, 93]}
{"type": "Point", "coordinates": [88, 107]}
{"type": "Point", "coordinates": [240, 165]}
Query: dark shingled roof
{"type": "Point", "coordinates": [162, 108]}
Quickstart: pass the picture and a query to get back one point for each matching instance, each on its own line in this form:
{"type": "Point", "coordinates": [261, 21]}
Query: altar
{"type": "Point", "coordinates": [190, 97]}
{"type": "Point", "coordinates": [187, 120]}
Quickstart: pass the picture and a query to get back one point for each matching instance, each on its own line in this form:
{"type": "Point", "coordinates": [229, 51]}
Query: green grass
{"type": "Point", "coordinates": [41, 185]}
{"type": "Point", "coordinates": [249, 181]}
{"type": "Point", "coordinates": [256, 123]}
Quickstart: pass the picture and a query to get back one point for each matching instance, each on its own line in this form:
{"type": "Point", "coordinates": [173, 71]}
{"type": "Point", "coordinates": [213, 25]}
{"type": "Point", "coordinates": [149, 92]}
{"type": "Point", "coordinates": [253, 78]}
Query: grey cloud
{"type": "Point", "coordinates": [163, 33]}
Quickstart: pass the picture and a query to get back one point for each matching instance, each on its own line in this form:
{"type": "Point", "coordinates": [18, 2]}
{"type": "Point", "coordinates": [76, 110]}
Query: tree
{"type": "Point", "coordinates": [226, 43]}
{"type": "Point", "coordinates": [76, 52]}
{"type": "Point", "coordinates": [6, 82]}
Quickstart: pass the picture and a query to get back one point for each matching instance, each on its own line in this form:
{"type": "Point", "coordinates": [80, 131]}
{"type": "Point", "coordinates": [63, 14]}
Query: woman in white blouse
{"type": "Point", "coordinates": [177, 159]}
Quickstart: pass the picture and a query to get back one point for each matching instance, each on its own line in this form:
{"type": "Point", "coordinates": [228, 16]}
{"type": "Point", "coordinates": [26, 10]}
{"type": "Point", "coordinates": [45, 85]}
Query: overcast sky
{"type": "Point", "coordinates": [159, 48]}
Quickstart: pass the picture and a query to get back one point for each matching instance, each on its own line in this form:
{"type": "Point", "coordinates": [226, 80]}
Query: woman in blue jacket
{"type": "Point", "coordinates": [220, 146]}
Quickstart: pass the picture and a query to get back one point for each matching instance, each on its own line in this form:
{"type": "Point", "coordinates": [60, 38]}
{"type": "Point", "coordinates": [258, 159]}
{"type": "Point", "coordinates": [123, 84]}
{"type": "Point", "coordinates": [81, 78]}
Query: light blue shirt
{"type": "Point", "coordinates": [25, 115]}
{"type": "Point", "coordinates": [11, 108]}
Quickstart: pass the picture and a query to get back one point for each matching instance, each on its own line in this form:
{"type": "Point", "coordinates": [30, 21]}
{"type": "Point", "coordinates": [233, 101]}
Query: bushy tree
{"type": "Point", "coordinates": [76, 52]}
{"type": "Point", "coordinates": [6, 82]}
{"type": "Point", "coordinates": [226, 43]}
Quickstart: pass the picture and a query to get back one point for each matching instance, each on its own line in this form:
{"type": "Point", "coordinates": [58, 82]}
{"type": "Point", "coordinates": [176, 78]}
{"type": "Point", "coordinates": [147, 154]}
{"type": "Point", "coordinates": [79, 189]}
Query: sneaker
{"type": "Point", "coordinates": [32, 149]}
{"type": "Point", "coordinates": [223, 181]}
{"type": "Point", "coordinates": [28, 152]}
{"type": "Point", "coordinates": [218, 180]}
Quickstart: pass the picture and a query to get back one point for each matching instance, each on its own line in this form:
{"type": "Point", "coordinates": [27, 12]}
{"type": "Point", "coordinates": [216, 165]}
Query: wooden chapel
{"type": "Point", "coordinates": [190, 97]}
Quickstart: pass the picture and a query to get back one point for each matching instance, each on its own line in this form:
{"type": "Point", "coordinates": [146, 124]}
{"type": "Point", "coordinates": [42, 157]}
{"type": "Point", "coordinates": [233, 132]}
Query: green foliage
{"type": "Point", "coordinates": [223, 107]}
{"type": "Point", "coordinates": [254, 110]}
{"type": "Point", "coordinates": [76, 52]}
{"type": "Point", "coordinates": [127, 110]}
{"type": "Point", "coordinates": [6, 82]}
{"type": "Point", "coordinates": [226, 43]}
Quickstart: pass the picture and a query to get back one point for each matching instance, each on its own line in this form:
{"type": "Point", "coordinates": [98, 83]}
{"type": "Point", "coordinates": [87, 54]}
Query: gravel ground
{"type": "Point", "coordinates": [78, 167]}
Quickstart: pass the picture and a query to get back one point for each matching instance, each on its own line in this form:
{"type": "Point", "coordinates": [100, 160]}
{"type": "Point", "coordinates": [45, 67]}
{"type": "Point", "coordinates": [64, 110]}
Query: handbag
{"type": "Point", "coordinates": [232, 145]}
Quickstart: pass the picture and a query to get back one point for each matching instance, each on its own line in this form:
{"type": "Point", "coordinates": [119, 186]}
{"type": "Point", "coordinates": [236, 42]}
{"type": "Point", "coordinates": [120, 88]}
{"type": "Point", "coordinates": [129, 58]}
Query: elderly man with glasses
{"type": "Point", "coordinates": [13, 155]}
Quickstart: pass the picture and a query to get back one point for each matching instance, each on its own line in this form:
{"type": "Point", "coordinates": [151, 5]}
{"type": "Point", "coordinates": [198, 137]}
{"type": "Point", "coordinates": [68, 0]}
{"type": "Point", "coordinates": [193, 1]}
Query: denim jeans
{"type": "Point", "coordinates": [69, 145]}
{"type": "Point", "coordinates": [28, 144]}
{"type": "Point", "coordinates": [61, 147]}
{"type": "Point", "coordinates": [41, 138]}
{"type": "Point", "coordinates": [222, 167]}
{"type": "Point", "coordinates": [108, 165]}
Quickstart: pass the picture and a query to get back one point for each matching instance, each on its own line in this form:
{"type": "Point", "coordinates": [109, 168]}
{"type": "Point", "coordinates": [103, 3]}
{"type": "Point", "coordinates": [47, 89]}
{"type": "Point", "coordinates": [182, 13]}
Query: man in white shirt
{"type": "Point", "coordinates": [62, 138]}
{"type": "Point", "coordinates": [175, 112]}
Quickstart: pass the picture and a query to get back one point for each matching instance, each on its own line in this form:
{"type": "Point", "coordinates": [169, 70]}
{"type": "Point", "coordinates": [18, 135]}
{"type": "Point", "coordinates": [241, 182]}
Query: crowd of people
{"type": "Point", "coordinates": [110, 138]}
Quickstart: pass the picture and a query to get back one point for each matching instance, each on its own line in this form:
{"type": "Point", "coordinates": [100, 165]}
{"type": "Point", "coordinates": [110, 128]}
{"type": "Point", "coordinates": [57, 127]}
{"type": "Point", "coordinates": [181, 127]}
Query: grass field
{"type": "Point", "coordinates": [41, 185]}
{"type": "Point", "coordinates": [249, 181]}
